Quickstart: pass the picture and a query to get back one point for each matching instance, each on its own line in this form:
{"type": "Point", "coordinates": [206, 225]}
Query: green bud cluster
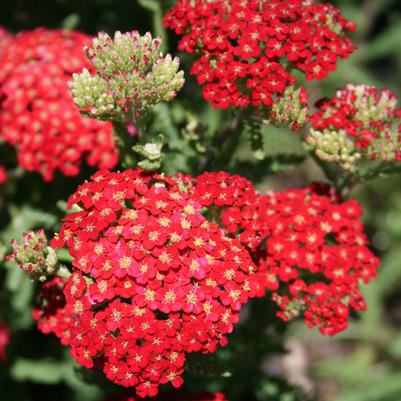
{"type": "Point", "coordinates": [291, 108]}
{"type": "Point", "coordinates": [131, 75]}
{"type": "Point", "coordinates": [360, 123]}
{"type": "Point", "coordinates": [34, 256]}
{"type": "Point", "coordinates": [334, 147]}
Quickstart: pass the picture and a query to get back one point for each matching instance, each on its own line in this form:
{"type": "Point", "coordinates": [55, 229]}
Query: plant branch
{"type": "Point", "coordinates": [124, 143]}
{"type": "Point", "coordinates": [221, 139]}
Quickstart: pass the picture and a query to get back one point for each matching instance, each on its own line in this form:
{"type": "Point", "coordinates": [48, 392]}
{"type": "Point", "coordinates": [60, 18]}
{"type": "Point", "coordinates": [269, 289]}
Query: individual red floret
{"type": "Point", "coordinates": [153, 280]}
{"type": "Point", "coordinates": [37, 113]}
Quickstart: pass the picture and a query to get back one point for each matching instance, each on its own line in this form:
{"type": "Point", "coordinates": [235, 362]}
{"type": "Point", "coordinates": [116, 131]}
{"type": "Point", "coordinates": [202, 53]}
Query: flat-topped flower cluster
{"type": "Point", "coordinates": [37, 114]}
{"type": "Point", "coordinates": [248, 49]}
{"type": "Point", "coordinates": [152, 280]}
{"type": "Point", "coordinates": [163, 265]}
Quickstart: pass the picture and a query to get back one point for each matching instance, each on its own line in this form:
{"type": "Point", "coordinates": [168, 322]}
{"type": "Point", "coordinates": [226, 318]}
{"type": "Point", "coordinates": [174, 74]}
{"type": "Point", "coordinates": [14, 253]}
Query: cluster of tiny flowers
{"type": "Point", "coordinates": [4, 39]}
{"type": "Point", "coordinates": [3, 174]}
{"type": "Point", "coordinates": [4, 340]}
{"type": "Point", "coordinates": [37, 113]}
{"type": "Point", "coordinates": [34, 256]}
{"type": "Point", "coordinates": [173, 396]}
{"type": "Point", "coordinates": [248, 48]}
{"type": "Point", "coordinates": [152, 280]}
{"type": "Point", "coordinates": [291, 108]}
{"type": "Point", "coordinates": [315, 255]}
{"type": "Point", "coordinates": [229, 200]}
{"type": "Point", "coordinates": [359, 123]}
{"type": "Point", "coordinates": [309, 247]}
{"type": "Point", "coordinates": [131, 74]}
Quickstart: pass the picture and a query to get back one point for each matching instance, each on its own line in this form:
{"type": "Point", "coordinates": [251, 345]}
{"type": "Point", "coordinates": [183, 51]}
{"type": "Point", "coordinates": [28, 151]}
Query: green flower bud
{"type": "Point", "coordinates": [360, 123]}
{"type": "Point", "coordinates": [291, 108]}
{"type": "Point", "coordinates": [34, 256]}
{"type": "Point", "coordinates": [131, 75]}
{"type": "Point", "coordinates": [334, 147]}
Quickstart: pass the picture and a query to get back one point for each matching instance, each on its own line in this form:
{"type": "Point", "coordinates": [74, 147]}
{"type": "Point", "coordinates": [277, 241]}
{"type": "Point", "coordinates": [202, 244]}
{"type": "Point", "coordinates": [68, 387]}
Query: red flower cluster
{"type": "Point", "coordinates": [368, 116]}
{"type": "Point", "coordinates": [308, 246]}
{"type": "Point", "coordinates": [3, 174]}
{"type": "Point", "coordinates": [230, 200]}
{"type": "Point", "coordinates": [50, 313]}
{"type": "Point", "coordinates": [174, 396]}
{"type": "Point", "coordinates": [249, 47]}
{"type": "Point", "coordinates": [152, 280]}
{"type": "Point", "coordinates": [4, 39]}
{"type": "Point", "coordinates": [37, 113]}
{"type": "Point", "coordinates": [4, 340]}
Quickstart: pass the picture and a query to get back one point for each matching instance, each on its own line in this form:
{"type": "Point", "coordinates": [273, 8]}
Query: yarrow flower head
{"type": "Point", "coordinates": [248, 48]}
{"type": "Point", "coordinates": [360, 123]}
{"type": "Point", "coordinates": [131, 74]}
{"type": "Point", "coordinates": [34, 256]}
{"type": "Point", "coordinates": [314, 254]}
{"type": "Point", "coordinates": [37, 114]}
{"type": "Point", "coordinates": [4, 340]}
{"type": "Point", "coordinates": [308, 246]}
{"type": "Point", "coordinates": [152, 280]}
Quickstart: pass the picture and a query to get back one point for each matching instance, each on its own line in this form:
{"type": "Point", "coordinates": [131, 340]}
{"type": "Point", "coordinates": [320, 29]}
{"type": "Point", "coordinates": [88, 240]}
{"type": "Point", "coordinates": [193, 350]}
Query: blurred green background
{"type": "Point", "coordinates": [362, 364]}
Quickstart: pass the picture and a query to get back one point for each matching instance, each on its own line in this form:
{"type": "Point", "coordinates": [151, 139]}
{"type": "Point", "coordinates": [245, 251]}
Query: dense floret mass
{"type": "Point", "coordinates": [361, 122]}
{"type": "Point", "coordinates": [315, 256]}
{"type": "Point", "coordinates": [308, 246]}
{"type": "Point", "coordinates": [248, 48]}
{"type": "Point", "coordinates": [37, 113]}
{"type": "Point", "coordinates": [153, 280]}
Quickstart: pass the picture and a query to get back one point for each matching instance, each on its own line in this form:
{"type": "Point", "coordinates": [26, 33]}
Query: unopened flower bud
{"type": "Point", "coordinates": [359, 123]}
{"type": "Point", "coordinates": [131, 75]}
{"type": "Point", "coordinates": [34, 256]}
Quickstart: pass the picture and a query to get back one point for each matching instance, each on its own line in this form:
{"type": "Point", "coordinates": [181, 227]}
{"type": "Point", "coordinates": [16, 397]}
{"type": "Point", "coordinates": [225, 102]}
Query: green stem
{"type": "Point", "coordinates": [219, 140]}
{"type": "Point", "coordinates": [124, 143]}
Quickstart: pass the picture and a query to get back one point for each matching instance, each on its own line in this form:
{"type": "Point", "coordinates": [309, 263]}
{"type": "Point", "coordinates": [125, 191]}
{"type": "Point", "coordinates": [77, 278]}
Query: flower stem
{"type": "Point", "coordinates": [221, 139]}
{"type": "Point", "coordinates": [124, 143]}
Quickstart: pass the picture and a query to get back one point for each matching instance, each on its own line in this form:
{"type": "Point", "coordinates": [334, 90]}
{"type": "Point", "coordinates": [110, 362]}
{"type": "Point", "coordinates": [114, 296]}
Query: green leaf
{"type": "Point", "coordinates": [71, 22]}
{"type": "Point", "coordinates": [39, 371]}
